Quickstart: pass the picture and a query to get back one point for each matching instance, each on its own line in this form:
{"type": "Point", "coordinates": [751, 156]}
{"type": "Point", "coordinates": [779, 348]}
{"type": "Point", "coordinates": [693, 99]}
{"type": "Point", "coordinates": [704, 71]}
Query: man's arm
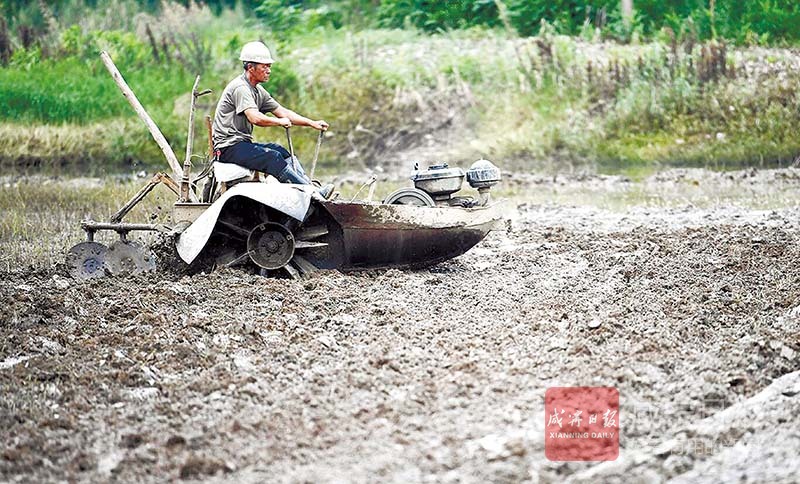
{"type": "Point", "coordinates": [258, 119]}
{"type": "Point", "coordinates": [297, 119]}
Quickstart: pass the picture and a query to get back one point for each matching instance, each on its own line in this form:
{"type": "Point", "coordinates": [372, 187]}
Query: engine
{"type": "Point", "coordinates": [438, 184]}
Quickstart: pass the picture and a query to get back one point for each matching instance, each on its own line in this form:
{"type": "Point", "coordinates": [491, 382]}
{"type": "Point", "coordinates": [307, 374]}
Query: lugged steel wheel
{"type": "Point", "coordinates": [270, 245]}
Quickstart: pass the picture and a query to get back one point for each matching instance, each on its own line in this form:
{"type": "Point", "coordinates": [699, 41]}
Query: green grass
{"type": "Point", "coordinates": [69, 114]}
{"type": "Point", "coordinates": [385, 91]}
{"type": "Point", "coordinates": [78, 92]}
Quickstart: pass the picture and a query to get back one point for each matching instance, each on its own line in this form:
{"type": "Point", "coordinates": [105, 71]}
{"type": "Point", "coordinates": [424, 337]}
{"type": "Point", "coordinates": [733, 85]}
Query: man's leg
{"type": "Point", "coordinates": [294, 171]}
{"type": "Point", "coordinates": [254, 156]}
{"type": "Point", "coordinates": [290, 175]}
{"type": "Point", "coordinates": [276, 147]}
{"type": "Point", "coordinates": [295, 163]}
{"type": "Point", "coordinates": [261, 157]}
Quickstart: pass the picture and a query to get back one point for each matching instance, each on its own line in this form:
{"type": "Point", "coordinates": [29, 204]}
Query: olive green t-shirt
{"type": "Point", "coordinates": [230, 124]}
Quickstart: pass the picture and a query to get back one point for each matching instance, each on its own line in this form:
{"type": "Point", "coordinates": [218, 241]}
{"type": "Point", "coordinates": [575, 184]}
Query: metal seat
{"type": "Point", "coordinates": [229, 174]}
{"type": "Point", "coordinates": [226, 172]}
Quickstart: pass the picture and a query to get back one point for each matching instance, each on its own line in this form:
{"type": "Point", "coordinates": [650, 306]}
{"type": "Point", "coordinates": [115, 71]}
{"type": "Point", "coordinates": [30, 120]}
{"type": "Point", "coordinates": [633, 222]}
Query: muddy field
{"type": "Point", "coordinates": [689, 305]}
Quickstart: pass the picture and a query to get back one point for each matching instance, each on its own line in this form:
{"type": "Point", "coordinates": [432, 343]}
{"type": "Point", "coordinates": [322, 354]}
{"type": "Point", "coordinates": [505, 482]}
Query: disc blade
{"type": "Point", "coordinates": [87, 260]}
{"type": "Point", "coordinates": [129, 258]}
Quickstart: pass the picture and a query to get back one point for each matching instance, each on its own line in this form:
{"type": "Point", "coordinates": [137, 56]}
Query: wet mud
{"type": "Point", "coordinates": [436, 375]}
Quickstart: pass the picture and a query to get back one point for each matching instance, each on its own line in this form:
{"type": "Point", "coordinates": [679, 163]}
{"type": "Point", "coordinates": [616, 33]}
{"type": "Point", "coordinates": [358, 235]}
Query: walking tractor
{"type": "Point", "coordinates": [228, 216]}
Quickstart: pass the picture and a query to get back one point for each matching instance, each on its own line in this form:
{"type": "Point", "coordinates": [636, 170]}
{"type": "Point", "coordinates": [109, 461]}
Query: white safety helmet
{"type": "Point", "coordinates": [256, 52]}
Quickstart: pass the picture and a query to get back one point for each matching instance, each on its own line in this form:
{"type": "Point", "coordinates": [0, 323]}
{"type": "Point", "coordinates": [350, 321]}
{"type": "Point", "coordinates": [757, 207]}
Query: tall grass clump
{"type": "Point", "coordinates": [605, 105]}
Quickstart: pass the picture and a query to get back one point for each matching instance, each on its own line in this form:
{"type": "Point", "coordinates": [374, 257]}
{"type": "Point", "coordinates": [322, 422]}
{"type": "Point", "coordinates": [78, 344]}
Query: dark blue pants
{"type": "Point", "coordinates": [270, 158]}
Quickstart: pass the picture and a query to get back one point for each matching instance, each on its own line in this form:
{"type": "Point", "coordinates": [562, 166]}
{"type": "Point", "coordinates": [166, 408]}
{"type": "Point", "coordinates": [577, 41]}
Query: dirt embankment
{"type": "Point", "coordinates": [434, 375]}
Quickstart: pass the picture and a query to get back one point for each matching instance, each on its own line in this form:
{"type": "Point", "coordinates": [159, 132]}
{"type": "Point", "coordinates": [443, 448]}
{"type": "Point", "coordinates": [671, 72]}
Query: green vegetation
{"type": "Point", "coordinates": [736, 20]}
{"type": "Point", "coordinates": [40, 221]}
{"type": "Point", "coordinates": [743, 22]}
{"type": "Point", "coordinates": [551, 86]}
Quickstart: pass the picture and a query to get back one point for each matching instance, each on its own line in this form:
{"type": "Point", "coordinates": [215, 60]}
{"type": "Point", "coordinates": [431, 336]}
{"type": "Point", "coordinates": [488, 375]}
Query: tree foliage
{"type": "Point", "coordinates": [757, 21]}
{"type": "Point", "coordinates": [750, 22]}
